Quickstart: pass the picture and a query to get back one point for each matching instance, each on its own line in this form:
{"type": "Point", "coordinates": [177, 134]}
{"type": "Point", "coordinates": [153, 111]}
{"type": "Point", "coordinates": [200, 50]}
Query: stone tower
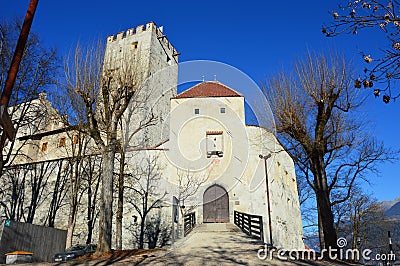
{"type": "Point", "coordinates": [147, 52]}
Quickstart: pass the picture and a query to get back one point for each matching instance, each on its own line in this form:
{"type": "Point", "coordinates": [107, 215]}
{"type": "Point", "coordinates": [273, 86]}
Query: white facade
{"type": "Point", "coordinates": [146, 52]}
{"type": "Point", "coordinates": [199, 134]}
{"type": "Point", "coordinates": [238, 169]}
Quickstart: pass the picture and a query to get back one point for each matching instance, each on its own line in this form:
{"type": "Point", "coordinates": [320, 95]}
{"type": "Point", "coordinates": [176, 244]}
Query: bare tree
{"type": "Point", "coordinates": [362, 222]}
{"type": "Point", "coordinates": [13, 193]}
{"type": "Point", "coordinates": [25, 189]}
{"type": "Point", "coordinates": [91, 183]}
{"type": "Point", "coordinates": [59, 192]}
{"type": "Point", "coordinates": [78, 150]}
{"type": "Point", "coordinates": [74, 192]}
{"type": "Point", "coordinates": [37, 70]}
{"type": "Point", "coordinates": [80, 163]}
{"type": "Point", "coordinates": [147, 193]}
{"type": "Point", "coordinates": [316, 121]}
{"type": "Point", "coordinates": [39, 177]}
{"type": "Point", "coordinates": [188, 184]}
{"type": "Point", "coordinates": [103, 94]}
{"type": "Point", "coordinates": [120, 201]}
{"type": "Point", "coordinates": [158, 231]}
{"type": "Point", "coordinates": [307, 206]}
{"type": "Point", "coordinates": [137, 110]}
{"type": "Point", "coordinates": [383, 65]}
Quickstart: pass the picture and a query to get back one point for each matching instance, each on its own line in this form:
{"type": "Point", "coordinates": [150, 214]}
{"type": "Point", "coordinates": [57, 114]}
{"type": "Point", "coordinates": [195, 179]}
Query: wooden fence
{"type": "Point", "coordinates": [42, 241]}
{"type": "Point", "coordinates": [189, 222]}
{"type": "Point", "coordinates": [252, 225]}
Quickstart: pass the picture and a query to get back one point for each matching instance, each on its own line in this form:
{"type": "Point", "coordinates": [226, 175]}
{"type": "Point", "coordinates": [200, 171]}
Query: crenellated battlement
{"type": "Point", "coordinates": [150, 26]}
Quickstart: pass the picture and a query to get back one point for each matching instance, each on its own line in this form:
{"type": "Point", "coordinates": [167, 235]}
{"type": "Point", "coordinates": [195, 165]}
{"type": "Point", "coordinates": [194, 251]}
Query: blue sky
{"type": "Point", "coordinates": [257, 37]}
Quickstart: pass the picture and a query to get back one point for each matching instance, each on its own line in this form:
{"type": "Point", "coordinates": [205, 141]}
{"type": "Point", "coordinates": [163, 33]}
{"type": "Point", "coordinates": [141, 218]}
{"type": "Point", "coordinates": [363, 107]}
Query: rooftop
{"type": "Point", "coordinates": [208, 89]}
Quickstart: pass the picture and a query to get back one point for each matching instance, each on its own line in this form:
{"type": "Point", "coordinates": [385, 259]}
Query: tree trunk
{"type": "Point", "coordinates": [89, 216]}
{"type": "Point", "coordinates": [1, 165]}
{"type": "Point", "coordinates": [105, 221]}
{"type": "Point", "coordinates": [72, 220]}
{"type": "Point", "coordinates": [120, 208]}
{"type": "Point", "coordinates": [90, 225]}
{"type": "Point", "coordinates": [71, 225]}
{"type": "Point", "coordinates": [321, 232]}
{"type": "Point", "coordinates": [141, 236]}
{"type": "Point", "coordinates": [58, 189]}
{"type": "Point", "coordinates": [73, 201]}
{"type": "Point", "coordinates": [90, 234]}
{"type": "Point", "coordinates": [326, 220]}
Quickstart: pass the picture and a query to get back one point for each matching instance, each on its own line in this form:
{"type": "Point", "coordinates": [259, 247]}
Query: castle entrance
{"type": "Point", "coordinates": [215, 205]}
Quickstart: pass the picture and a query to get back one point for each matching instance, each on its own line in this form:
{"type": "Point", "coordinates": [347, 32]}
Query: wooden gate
{"type": "Point", "coordinates": [215, 205]}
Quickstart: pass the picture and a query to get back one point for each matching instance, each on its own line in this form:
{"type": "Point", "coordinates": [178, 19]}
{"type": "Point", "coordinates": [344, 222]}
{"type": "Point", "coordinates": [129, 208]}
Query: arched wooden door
{"type": "Point", "coordinates": [215, 205]}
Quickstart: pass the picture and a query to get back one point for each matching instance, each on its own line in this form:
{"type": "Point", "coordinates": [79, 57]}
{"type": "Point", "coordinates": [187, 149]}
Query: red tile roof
{"type": "Point", "coordinates": [208, 89]}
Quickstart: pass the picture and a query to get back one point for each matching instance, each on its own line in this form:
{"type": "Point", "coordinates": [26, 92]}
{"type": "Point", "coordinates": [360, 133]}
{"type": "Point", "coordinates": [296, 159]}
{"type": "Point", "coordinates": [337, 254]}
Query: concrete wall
{"type": "Point", "coordinates": [44, 242]}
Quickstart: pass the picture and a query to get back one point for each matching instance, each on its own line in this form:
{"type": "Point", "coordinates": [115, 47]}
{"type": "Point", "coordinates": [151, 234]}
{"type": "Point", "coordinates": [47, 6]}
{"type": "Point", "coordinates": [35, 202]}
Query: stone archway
{"type": "Point", "coordinates": [215, 205]}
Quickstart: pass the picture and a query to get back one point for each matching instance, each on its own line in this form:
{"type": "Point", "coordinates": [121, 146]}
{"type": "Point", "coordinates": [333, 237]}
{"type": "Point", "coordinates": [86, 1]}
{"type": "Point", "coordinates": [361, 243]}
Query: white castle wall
{"type": "Point", "coordinates": [240, 171]}
{"type": "Point", "coordinates": [148, 50]}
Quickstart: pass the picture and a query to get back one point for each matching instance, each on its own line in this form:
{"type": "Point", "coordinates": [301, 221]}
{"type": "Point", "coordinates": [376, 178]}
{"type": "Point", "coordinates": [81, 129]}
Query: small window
{"type": "Point", "coordinates": [196, 111]}
{"type": "Point", "coordinates": [222, 110]}
{"type": "Point", "coordinates": [134, 45]}
{"type": "Point", "coordinates": [76, 139]}
{"type": "Point", "coordinates": [61, 143]}
{"type": "Point", "coordinates": [44, 146]}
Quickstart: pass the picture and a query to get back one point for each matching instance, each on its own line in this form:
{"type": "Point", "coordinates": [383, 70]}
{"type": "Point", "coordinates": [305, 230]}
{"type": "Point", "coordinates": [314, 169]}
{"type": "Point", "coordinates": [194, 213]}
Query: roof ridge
{"type": "Point", "coordinates": [230, 88]}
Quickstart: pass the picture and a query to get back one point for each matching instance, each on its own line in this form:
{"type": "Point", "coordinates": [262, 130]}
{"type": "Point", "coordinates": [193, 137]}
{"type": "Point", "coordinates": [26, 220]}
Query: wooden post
{"type": "Point", "coordinates": [249, 223]}
{"type": "Point", "coordinates": [261, 229]}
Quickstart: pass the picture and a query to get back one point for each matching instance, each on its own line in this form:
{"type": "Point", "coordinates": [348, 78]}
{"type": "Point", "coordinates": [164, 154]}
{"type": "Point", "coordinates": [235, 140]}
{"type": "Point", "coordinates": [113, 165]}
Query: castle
{"type": "Point", "coordinates": [199, 150]}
